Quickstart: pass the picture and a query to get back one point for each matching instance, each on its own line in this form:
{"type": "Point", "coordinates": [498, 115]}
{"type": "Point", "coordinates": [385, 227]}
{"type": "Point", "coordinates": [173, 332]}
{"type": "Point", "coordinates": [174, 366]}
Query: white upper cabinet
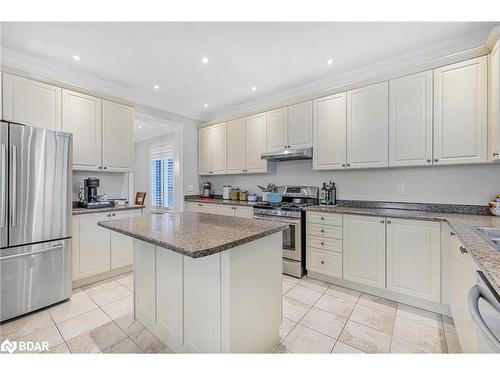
{"type": "Point", "coordinates": [82, 117]}
{"type": "Point", "coordinates": [410, 120]}
{"type": "Point", "coordinates": [31, 102]}
{"type": "Point", "coordinates": [414, 258]}
{"type": "Point", "coordinates": [494, 93]}
{"type": "Point", "coordinates": [118, 137]}
{"type": "Point", "coordinates": [300, 125]}
{"type": "Point", "coordinates": [212, 149]}
{"type": "Point", "coordinates": [329, 132]}
{"type": "Point", "coordinates": [277, 128]}
{"type": "Point", "coordinates": [236, 134]}
{"type": "Point", "coordinates": [255, 143]}
{"type": "Point", "coordinates": [367, 126]}
{"type": "Point", "coordinates": [460, 112]}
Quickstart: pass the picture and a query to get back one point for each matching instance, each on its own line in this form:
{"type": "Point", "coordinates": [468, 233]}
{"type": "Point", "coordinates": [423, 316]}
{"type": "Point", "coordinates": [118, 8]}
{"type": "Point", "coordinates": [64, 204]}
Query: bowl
{"type": "Point", "coordinates": [274, 198]}
{"type": "Point", "coordinates": [252, 198]}
{"type": "Point", "coordinates": [494, 208]}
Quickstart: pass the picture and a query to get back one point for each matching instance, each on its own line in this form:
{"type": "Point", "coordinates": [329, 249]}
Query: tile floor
{"type": "Point", "coordinates": [317, 318]}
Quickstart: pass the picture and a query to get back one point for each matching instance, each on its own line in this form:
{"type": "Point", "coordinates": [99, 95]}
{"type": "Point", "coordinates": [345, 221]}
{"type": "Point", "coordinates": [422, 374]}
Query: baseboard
{"type": "Point", "coordinates": [102, 276]}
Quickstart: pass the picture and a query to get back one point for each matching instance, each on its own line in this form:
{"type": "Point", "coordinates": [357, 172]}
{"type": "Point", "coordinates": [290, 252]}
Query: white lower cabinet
{"type": "Point", "coordinates": [364, 250]}
{"type": "Point", "coordinates": [122, 247]}
{"type": "Point", "coordinates": [326, 262]}
{"type": "Point", "coordinates": [414, 258]}
{"type": "Point", "coordinates": [221, 209]}
{"type": "Point", "coordinates": [208, 208]}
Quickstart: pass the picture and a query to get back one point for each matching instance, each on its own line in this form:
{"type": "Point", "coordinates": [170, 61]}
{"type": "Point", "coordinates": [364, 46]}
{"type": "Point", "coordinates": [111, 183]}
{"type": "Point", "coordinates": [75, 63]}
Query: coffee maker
{"type": "Point", "coordinates": [206, 189]}
{"type": "Point", "coordinates": [90, 197]}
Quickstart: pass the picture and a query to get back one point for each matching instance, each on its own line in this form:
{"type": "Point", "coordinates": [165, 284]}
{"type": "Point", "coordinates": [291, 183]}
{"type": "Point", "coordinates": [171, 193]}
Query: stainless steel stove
{"type": "Point", "coordinates": [290, 211]}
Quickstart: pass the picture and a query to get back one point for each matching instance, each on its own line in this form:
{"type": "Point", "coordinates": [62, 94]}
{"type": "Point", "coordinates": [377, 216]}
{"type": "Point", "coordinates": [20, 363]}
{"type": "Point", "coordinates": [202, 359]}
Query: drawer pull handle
{"type": "Point", "coordinates": [322, 231]}
{"type": "Point", "coordinates": [322, 243]}
{"type": "Point", "coordinates": [322, 218]}
{"type": "Point", "coordinates": [322, 262]}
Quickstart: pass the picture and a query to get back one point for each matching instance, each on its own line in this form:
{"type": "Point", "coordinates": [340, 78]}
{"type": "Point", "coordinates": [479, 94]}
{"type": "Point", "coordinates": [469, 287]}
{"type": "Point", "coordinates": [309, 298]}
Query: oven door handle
{"type": "Point", "coordinates": [274, 218]}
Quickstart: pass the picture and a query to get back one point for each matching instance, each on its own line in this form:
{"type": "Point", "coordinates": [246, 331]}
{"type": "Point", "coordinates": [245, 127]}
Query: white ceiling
{"type": "Point", "coordinates": [274, 57]}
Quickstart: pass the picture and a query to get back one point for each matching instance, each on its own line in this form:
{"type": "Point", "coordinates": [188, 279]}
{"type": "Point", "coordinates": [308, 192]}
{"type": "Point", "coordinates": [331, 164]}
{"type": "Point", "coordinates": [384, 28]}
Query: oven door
{"type": "Point", "coordinates": [292, 240]}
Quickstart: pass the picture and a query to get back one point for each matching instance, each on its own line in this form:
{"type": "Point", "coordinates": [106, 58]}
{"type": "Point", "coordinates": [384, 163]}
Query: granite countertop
{"type": "Point", "coordinates": [83, 211]}
{"type": "Point", "coordinates": [218, 200]}
{"type": "Point", "coordinates": [486, 256]}
{"type": "Point", "coordinates": [194, 234]}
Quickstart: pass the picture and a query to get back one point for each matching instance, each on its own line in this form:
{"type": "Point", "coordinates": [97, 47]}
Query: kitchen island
{"type": "Point", "coordinates": [207, 283]}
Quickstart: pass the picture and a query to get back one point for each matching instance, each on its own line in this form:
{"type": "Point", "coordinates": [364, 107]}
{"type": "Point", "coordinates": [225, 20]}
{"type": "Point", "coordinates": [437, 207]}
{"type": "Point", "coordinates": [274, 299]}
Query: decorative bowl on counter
{"type": "Point", "coordinates": [252, 198]}
{"type": "Point", "coordinates": [274, 198]}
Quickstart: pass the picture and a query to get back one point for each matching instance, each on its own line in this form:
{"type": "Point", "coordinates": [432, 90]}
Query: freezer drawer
{"type": "Point", "coordinates": [34, 276]}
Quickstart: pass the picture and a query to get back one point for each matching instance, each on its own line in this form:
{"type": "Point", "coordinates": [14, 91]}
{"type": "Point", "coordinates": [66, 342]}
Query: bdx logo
{"type": "Point", "coordinates": [8, 346]}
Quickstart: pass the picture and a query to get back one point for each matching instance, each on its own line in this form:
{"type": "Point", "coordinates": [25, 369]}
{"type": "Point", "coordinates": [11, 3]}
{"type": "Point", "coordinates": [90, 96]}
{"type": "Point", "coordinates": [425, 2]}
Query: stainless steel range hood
{"type": "Point", "coordinates": [287, 154]}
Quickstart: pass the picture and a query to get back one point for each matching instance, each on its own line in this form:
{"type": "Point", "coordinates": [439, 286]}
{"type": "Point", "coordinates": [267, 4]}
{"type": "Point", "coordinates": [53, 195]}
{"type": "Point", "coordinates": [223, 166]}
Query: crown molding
{"type": "Point", "coordinates": [445, 53]}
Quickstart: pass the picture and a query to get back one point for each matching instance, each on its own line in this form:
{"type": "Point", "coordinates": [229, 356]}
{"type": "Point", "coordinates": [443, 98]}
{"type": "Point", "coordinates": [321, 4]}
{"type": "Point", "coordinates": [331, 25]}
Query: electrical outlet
{"type": "Point", "coordinates": [190, 188]}
{"type": "Point", "coordinates": [401, 190]}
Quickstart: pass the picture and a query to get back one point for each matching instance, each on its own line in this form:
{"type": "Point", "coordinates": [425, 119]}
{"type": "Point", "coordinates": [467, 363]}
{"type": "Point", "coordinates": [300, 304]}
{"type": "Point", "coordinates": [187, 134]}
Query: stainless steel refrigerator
{"type": "Point", "coordinates": [35, 218]}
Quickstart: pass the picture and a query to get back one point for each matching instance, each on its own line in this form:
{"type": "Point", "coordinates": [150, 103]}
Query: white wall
{"type": "Point", "coordinates": [475, 184]}
{"type": "Point", "coordinates": [114, 185]}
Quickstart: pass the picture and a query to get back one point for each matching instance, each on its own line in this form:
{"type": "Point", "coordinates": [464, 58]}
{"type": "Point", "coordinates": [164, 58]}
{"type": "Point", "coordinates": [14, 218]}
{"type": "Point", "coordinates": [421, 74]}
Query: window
{"type": "Point", "coordinates": [162, 177]}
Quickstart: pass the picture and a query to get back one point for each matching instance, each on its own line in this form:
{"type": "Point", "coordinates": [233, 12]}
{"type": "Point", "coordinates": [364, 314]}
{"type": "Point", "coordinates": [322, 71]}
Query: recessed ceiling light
{"type": "Point", "coordinates": [254, 88]}
{"type": "Point", "coordinates": [156, 87]}
{"type": "Point", "coordinates": [204, 60]}
{"type": "Point", "coordinates": [76, 57]}
{"type": "Point", "coordinates": [205, 105]}
{"type": "Point", "coordinates": [329, 61]}
{"type": "Point", "coordinates": [140, 126]}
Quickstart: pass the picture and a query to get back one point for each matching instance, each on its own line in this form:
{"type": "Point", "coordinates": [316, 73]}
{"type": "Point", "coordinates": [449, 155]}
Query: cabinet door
{"type": "Point", "coordinates": [462, 278]}
{"type": "Point", "coordinates": [226, 210]}
{"type": "Point", "coordinates": [414, 258]}
{"type": "Point", "coordinates": [329, 132]}
{"type": "Point", "coordinates": [82, 117]}
{"type": "Point", "coordinates": [277, 124]}
{"type": "Point", "coordinates": [118, 136]}
{"type": "Point", "coordinates": [208, 208]}
{"type": "Point", "coordinates": [194, 207]}
{"type": "Point", "coordinates": [410, 120]}
{"type": "Point", "coordinates": [368, 126]}
{"type": "Point", "coordinates": [244, 212]}
{"type": "Point", "coordinates": [300, 125]}
{"type": "Point", "coordinates": [255, 146]}
{"type": "Point", "coordinates": [31, 102]}
{"type": "Point", "coordinates": [122, 247]}
{"type": "Point", "coordinates": [494, 104]}
{"type": "Point", "coordinates": [236, 146]}
{"type": "Point", "coordinates": [364, 250]}
{"type": "Point", "coordinates": [204, 147]}
{"type": "Point", "coordinates": [93, 251]}
{"type": "Point", "coordinates": [145, 282]}
{"type": "Point", "coordinates": [212, 156]}
{"type": "Point", "coordinates": [460, 112]}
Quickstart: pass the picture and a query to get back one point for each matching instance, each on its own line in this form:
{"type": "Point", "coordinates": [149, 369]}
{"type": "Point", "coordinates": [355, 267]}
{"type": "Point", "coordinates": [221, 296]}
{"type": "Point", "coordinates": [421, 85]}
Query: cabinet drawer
{"type": "Point", "coordinates": [320, 230]}
{"type": "Point", "coordinates": [324, 218]}
{"type": "Point", "coordinates": [326, 262]}
{"type": "Point", "coordinates": [325, 243]}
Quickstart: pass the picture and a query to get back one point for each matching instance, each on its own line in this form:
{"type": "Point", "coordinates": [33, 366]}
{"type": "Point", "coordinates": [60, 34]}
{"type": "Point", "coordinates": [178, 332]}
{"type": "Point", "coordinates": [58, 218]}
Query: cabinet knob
{"type": "Point", "coordinates": [348, 165]}
{"type": "Point", "coordinates": [463, 250]}
{"type": "Point", "coordinates": [322, 218]}
{"type": "Point", "coordinates": [113, 214]}
{"type": "Point", "coordinates": [429, 160]}
{"type": "Point", "coordinates": [100, 167]}
{"type": "Point", "coordinates": [382, 222]}
{"type": "Point", "coordinates": [452, 233]}
{"type": "Point", "coordinates": [322, 243]}
{"type": "Point", "coordinates": [322, 231]}
{"type": "Point", "coordinates": [108, 215]}
{"type": "Point", "coordinates": [105, 167]}
{"type": "Point", "coordinates": [322, 262]}
{"type": "Point", "coordinates": [436, 160]}
{"type": "Point", "coordinates": [495, 153]}
{"type": "Point", "coordinates": [343, 165]}
{"type": "Point", "coordinates": [388, 221]}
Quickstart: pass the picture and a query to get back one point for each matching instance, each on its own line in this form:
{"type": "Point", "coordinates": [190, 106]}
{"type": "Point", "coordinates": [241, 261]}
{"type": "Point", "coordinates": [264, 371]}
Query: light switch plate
{"type": "Point", "coordinates": [401, 190]}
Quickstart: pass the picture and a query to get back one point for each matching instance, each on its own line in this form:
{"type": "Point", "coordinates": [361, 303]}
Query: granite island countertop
{"type": "Point", "coordinates": [84, 211]}
{"type": "Point", "coordinates": [193, 234]}
{"type": "Point", "coordinates": [486, 256]}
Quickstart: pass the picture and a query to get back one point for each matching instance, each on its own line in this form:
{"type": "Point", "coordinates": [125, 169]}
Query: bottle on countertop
{"type": "Point", "coordinates": [332, 194]}
{"type": "Point", "coordinates": [323, 195]}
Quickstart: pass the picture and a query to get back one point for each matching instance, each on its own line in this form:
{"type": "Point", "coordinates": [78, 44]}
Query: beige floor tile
{"type": "Point", "coordinates": [420, 334]}
{"type": "Point", "coordinates": [129, 325]}
{"type": "Point", "coordinates": [124, 276]}
{"type": "Point", "coordinates": [100, 286]}
{"type": "Point", "coordinates": [341, 348]}
{"type": "Point", "coordinates": [126, 346]}
{"type": "Point", "coordinates": [111, 295]}
{"type": "Point", "coordinates": [402, 346]}
{"type": "Point", "coordinates": [287, 285]}
{"type": "Point", "coordinates": [306, 340]}
{"type": "Point", "coordinates": [97, 339]}
{"type": "Point", "coordinates": [452, 343]}
{"type": "Point", "coordinates": [120, 308]}
{"type": "Point", "coordinates": [316, 285]}
{"type": "Point", "coordinates": [148, 342]}
{"type": "Point", "coordinates": [378, 319]}
{"type": "Point", "coordinates": [324, 322]}
{"type": "Point", "coordinates": [344, 293]}
{"type": "Point", "coordinates": [280, 349]}
{"type": "Point", "coordinates": [50, 335]}
{"type": "Point", "coordinates": [420, 316]}
{"type": "Point", "coordinates": [304, 295]}
{"type": "Point", "coordinates": [26, 325]}
{"type": "Point", "coordinates": [335, 305]}
{"type": "Point", "coordinates": [82, 323]}
{"type": "Point", "coordinates": [291, 279]}
{"type": "Point", "coordinates": [78, 304]}
{"type": "Point", "coordinates": [58, 349]}
{"type": "Point", "coordinates": [286, 327]}
{"type": "Point", "coordinates": [364, 338]}
{"type": "Point", "coordinates": [378, 303]}
{"type": "Point", "coordinates": [294, 310]}
{"type": "Point", "coordinates": [448, 324]}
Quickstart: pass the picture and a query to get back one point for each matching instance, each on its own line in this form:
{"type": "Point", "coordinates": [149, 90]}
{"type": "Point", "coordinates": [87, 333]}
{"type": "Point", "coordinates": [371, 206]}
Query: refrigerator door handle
{"type": "Point", "coordinates": [52, 248]}
{"type": "Point", "coordinates": [3, 186]}
{"type": "Point", "coordinates": [13, 207]}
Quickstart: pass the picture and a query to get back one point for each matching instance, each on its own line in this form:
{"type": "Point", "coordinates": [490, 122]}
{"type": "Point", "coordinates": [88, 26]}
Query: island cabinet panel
{"type": "Point", "coordinates": [413, 258]}
{"type": "Point", "coordinates": [144, 282]}
{"type": "Point", "coordinates": [122, 247]}
{"type": "Point", "coordinates": [169, 297]}
{"type": "Point", "coordinates": [202, 304]}
{"type": "Point", "coordinates": [364, 250]}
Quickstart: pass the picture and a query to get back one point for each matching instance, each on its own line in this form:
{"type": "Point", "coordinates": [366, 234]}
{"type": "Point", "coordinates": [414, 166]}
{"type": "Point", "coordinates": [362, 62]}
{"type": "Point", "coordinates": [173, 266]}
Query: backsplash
{"type": "Point", "coordinates": [114, 185]}
{"type": "Point", "coordinates": [470, 184]}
